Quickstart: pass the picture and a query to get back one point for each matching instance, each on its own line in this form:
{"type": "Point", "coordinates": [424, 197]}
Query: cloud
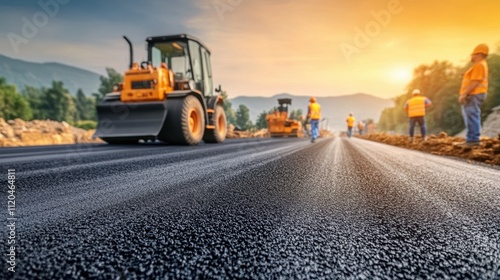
{"type": "Point", "coordinates": [89, 34]}
{"type": "Point", "coordinates": [265, 47]}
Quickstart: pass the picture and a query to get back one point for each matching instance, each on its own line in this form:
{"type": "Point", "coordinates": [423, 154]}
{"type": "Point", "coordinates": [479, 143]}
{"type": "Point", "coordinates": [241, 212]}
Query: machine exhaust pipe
{"type": "Point", "coordinates": [131, 52]}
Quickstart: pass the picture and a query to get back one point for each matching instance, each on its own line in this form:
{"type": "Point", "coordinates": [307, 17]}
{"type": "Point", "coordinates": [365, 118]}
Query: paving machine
{"type": "Point", "coordinates": [168, 98]}
{"type": "Point", "coordinates": [280, 125]}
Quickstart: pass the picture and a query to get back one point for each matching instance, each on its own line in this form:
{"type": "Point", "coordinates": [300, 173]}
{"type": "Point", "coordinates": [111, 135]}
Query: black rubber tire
{"type": "Point", "coordinates": [218, 134]}
{"type": "Point", "coordinates": [182, 112]}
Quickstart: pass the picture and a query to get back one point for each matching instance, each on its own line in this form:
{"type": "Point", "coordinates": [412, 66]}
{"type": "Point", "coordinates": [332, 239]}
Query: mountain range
{"type": "Point", "coordinates": [334, 109]}
{"type": "Point", "coordinates": [22, 73]}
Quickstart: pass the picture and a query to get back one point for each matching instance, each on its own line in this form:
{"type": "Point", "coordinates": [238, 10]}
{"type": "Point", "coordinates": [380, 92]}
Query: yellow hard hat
{"type": "Point", "coordinates": [416, 91]}
{"type": "Point", "coordinates": [481, 48]}
{"type": "Point", "coordinates": [312, 99]}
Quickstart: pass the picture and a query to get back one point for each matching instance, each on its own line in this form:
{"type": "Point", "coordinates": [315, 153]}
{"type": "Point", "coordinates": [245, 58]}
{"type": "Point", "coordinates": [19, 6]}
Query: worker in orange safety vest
{"type": "Point", "coordinates": [415, 109]}
{"type": "Point", "coordinates": [473, 93]}
{"type": "Point", "coordinates": [350, 124]}
{"type": "Point", "coordinates": [314, 114]}
{"type": "Point", "coordinates": [361, 127]}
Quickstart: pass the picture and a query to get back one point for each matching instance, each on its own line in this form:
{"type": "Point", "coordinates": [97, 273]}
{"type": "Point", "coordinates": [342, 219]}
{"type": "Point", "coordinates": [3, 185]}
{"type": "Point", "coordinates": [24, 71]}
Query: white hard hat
{"type": "Point", "coordinates": [416, 91]}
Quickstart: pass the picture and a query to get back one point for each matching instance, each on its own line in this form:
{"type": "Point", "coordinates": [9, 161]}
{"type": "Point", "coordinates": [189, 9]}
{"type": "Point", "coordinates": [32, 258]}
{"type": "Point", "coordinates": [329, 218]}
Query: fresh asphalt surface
{"type": "Point", "coordinates": [272, 208]}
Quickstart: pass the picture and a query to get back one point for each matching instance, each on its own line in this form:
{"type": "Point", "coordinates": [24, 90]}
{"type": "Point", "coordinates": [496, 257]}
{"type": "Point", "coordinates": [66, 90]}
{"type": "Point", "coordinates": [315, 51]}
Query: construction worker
{"type": "Point", "coordinates": [350, 124]}
{"type": "Point", "coordinates": [314, 114]}
{"type": "Point", "coordinates": [361, 127]}
{"type": "Point", "coordinates": [415, 109]}
{"type": "Point", "coordinates": [472, 94]}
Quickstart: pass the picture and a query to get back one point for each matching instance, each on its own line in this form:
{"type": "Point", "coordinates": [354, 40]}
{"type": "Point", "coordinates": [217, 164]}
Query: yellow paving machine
{"type": "Point", "coordinates": [280, 125]}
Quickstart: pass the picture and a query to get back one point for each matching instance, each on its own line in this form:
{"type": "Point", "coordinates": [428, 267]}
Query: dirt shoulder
{"type": "Point", "coordinates": [442, 144]}
{"type": "Point", "coordinates": [15, 133]}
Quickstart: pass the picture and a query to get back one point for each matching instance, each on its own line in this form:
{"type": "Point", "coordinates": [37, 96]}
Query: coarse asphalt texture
{"type": "Point", "coordinates": [259, 209]}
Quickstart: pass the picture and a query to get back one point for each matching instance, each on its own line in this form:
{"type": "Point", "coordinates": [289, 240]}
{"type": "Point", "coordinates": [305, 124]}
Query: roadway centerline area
{"type": "Point", "coordinates": [338, 208]}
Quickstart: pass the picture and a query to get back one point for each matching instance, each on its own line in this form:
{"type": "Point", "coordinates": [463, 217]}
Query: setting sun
{"type": "Point", "coordinates": [401, 75]}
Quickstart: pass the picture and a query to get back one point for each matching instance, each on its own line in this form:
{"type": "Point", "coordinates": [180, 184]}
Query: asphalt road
{"type": "Point", "coordinates": [273, 208]}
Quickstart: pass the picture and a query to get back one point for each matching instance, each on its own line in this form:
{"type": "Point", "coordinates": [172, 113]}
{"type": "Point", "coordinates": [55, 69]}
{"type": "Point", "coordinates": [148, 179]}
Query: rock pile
{"type": "Point", "coordinates": [491, 126]}
{"type": "Point", "coordinates": [232, 133]}
{"type": "Point", "coordinates": [37, 132]}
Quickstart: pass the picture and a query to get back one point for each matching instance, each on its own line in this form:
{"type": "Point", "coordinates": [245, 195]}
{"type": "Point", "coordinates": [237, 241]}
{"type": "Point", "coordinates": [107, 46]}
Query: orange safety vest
{"type": "Point", "coordinates": [350, 121]}
{"type": "Point", "coordinates": [315, 111]}
{"type": "Point", "coordinates": [416, 106]}
{"type": "Point", "coordinates": [478, 71]}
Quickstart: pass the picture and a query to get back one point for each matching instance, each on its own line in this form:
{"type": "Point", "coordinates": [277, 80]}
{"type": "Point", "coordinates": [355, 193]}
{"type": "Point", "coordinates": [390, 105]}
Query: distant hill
{"type": "Point", "coordinates": [21, 73]}
{"type": "Point", "coordinates": [334, 108]}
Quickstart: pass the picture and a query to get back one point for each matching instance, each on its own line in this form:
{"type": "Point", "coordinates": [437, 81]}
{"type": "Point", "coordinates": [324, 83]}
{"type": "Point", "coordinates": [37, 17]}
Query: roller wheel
{"type": "Point", "coordinates": [218, 134]}
{"type": "Point", "coordinates": [185, 123]}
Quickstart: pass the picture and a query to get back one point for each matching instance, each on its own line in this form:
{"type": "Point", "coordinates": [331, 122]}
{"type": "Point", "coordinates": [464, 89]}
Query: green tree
{"type": "Point", "coordinates": [243, 117]}
{"type": "Point", "coordinates": [58, 104]}
{"type": "Point", "coordinates": [35, 99]}
{"type": "Point", "coordinates": [107, 83]}
{"type": "Point", "coordinates": [53, 103]}
{"type": "Point", "coordinates": [230, 114]}
{"type": "Point", "coordinates": [12, 104]}
{"type": "Point", "coordinates": [295, 114]}
{"type": "Point", "coordinates": [385, 122]}
{"type": "Point", "coordinates": [261, 120]}
{"type": "Point", "coordinates": [85, 107]}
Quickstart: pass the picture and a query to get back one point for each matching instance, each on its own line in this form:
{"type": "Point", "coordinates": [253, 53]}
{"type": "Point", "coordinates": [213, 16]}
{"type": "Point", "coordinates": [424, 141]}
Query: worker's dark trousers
{"type": "Point", "coordinates": [349, 131]}
{"type": "Point", "coordinates": [421, 123]}
{"type": "Point", "coordinates": [471, 111]}
{"type": "Point", "coordinates": [314, 129]}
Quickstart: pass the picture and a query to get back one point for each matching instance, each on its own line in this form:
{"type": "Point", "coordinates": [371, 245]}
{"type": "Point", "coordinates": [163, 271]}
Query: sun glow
{"type": "Point", "coordinates": [400, 75]}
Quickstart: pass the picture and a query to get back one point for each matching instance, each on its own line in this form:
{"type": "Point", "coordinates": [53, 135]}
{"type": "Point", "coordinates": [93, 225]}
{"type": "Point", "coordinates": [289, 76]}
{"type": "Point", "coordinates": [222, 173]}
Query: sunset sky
{"type": "Point", "coordinates": [262, 47]}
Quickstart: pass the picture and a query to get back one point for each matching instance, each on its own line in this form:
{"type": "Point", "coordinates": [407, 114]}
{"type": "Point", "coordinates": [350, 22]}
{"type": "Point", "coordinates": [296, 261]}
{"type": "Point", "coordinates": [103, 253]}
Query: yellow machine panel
{"type": "Point", "coordinates": [151, 84]}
